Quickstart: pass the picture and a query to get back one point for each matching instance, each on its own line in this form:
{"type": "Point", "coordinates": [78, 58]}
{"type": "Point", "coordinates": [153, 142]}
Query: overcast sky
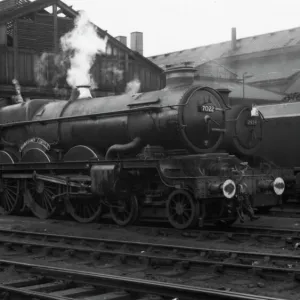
{"type": "Point", "coordinates": [172, 25]}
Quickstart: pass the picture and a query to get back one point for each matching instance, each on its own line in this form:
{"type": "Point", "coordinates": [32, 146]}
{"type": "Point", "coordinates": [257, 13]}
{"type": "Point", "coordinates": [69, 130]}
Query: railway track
{"type": "Point", "coordinates": [160, 228]}
{"type": "Point", "coordinates": [153, 253]}
{"type": "Point", "coordinates": [50, 283]}
{"type": "Point", "coordinates": [288, 212]}
{"type": "Point", "coordinates": [289, 239]}
{"type": "Point", "coordinates": [171, 264]}
{"type": "Point", "coordinates": [235, 230]}
{"type": "Point", "coordinates": [243, 233]}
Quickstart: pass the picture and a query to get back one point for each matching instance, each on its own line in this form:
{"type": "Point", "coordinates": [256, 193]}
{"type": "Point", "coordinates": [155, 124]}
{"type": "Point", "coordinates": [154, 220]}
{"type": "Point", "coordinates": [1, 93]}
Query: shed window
{"type": "Point", "coordinates": [108, 49]}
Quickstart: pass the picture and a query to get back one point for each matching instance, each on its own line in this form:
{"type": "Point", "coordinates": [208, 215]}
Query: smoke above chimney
{"type": "Point", "coordinates": [84, 43]}
{"type": "Point", "coordinates": [233, 38]}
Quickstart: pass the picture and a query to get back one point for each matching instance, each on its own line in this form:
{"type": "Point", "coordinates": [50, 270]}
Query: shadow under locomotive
{"type": "Point", "coordinates": [179, 154]}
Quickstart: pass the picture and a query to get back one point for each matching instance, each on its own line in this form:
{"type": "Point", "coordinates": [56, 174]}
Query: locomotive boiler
{"type": "Point", "coordinates": [181, 117]}
{"type": "Point", "coordinates": [174, 153]}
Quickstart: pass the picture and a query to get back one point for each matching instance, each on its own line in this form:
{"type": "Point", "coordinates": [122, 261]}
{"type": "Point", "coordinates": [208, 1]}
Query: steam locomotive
{"type": "Point", "coordinates": [177, 154]}
{"type": "Point", "coordinates": [281, 143]}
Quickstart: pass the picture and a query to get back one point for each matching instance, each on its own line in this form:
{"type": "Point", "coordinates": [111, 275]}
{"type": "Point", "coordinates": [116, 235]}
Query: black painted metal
{"type": "Point", "coordinates": [168, 117]}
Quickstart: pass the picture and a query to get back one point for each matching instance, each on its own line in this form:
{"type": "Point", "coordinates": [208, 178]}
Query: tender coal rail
{"type": "Point", "coordinates": [51, 283]}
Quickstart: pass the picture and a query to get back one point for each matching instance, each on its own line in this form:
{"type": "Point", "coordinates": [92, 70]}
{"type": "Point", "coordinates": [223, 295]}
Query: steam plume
{"type": "Point", "coordinates": [133, 87]}
{"type": "Point", "coordinates": [51, 68]}
{"type": "Point", "coordinates": [84, 43]}
{"type": "Point", "coordinates": [19, 97]}
{"type": "Point", "coordinates": [115, 73]}
{"type": "Point", "coordinates": [73, 63]}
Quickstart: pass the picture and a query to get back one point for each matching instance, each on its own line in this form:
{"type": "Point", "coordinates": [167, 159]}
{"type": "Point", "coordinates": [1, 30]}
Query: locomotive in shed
{"type": "Point", "coordinates": [280, 145]}
{"type": "Point", "coordinates": [177, 154]}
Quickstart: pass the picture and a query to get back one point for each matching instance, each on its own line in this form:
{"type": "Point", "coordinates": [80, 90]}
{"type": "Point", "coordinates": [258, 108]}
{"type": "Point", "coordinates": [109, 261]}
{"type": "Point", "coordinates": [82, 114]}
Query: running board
{"type": "Point", "coordinates": [63, 180]}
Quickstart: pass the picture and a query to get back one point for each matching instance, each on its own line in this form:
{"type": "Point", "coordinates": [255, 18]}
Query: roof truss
{"type": "Point", "coordinates": [31, 7]}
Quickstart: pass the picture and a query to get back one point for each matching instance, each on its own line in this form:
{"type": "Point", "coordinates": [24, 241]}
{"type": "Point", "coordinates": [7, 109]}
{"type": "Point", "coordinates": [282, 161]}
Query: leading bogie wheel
{"type": "Point", "coordinates": [125, 211]}
{"type": "Point", "coordinates": [10, 196]}
{"type": "Point", "coordinates": [182, 209]}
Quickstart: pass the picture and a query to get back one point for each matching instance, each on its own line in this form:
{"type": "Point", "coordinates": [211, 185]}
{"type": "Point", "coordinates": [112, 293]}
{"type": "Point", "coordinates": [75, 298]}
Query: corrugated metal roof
{"type": "Point", "coordinates": [268, 68]}
{"type": "Point", "coordinates": [28, 7]}
{"type": "Point", "coordinates": [236, 89]}
{"type": "Point", "coordinates": [12, 4]}
{"type": "Point", "coordinates": [259, 43]}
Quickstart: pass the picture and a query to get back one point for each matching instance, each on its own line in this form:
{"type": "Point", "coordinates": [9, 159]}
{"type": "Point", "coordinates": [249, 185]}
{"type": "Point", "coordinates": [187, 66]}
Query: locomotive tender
{"type": "Point", "coordinates": [281, 143]}
{"type": "Point", "coordinates": [177, 153]}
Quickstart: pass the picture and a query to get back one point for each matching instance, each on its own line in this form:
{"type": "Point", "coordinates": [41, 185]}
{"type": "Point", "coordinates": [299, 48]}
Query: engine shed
{"type": "Point", "coordinates": [29, 29]}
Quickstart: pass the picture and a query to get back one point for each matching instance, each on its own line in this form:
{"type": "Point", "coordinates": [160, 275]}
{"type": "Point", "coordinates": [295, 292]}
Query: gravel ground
{"type": "Point", "coordinates": [279, 287]}
{"type": "Point", "coordinates": [156, 235]}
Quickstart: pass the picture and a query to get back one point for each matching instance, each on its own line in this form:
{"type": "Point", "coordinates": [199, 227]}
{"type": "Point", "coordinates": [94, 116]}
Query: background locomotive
{"type": "Point", "coordinates": [281, 144]}
{"type": "Point", "coordinates": [174, 153]}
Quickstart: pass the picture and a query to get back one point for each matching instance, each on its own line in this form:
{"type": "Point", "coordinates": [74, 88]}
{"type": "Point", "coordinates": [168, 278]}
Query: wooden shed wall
{"type": "Point", "coordinates": [36, 36]}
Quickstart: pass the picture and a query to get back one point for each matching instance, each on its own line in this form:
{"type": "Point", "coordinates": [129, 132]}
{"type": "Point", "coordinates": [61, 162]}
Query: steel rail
{"type": "Point", "coordinates": [200, 256]}
{"type": "Point", "coordinates": [253, 231]}
{"type": "Point", "coordinates": [135, 243]}
{"type": "Point", "coordinates": [180, 291]}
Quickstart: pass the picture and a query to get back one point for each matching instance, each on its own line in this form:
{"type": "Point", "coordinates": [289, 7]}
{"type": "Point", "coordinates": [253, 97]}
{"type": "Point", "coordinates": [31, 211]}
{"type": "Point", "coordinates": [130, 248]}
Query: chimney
{"type": "Point", "coordinates": [233, 38]}
{"type": "Point", "coordinates": [122, 39]}
{"type": "Point", "coordinates": [136, 42]}
{"type": "Point", "coordinates": [81, 92]}
{"type": "Point", "coordinates": [3, 34]}
{"type": "Point", "coordinates": [179, 76]}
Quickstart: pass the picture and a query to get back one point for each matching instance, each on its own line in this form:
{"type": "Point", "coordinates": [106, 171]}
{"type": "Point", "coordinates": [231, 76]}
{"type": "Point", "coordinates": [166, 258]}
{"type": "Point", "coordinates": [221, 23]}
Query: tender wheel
{"type": "Point", "coordinates": [10, 197]}
{"type": "Point", "coordinates": [84, 210]}
{"type": "Point", "coordinates": [125, 212]}
{"type": "Point", "coordinates": [182, 210]}
{"type": "Point", "coordinates": [39, 196]}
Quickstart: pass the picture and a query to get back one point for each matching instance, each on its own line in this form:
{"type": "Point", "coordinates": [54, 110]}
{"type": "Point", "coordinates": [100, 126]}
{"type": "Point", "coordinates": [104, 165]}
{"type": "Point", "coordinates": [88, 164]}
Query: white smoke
{"type": "Point", "coordinates": [117, 74]}
{"type": "Point", "coordinates": [50, 68]}
{"type": "Point", "coordinates": [254, 112]}
{"type": "Point", "coordinates": [84, 42]}
{"type": "Point", "coordinates": [133, 87]}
